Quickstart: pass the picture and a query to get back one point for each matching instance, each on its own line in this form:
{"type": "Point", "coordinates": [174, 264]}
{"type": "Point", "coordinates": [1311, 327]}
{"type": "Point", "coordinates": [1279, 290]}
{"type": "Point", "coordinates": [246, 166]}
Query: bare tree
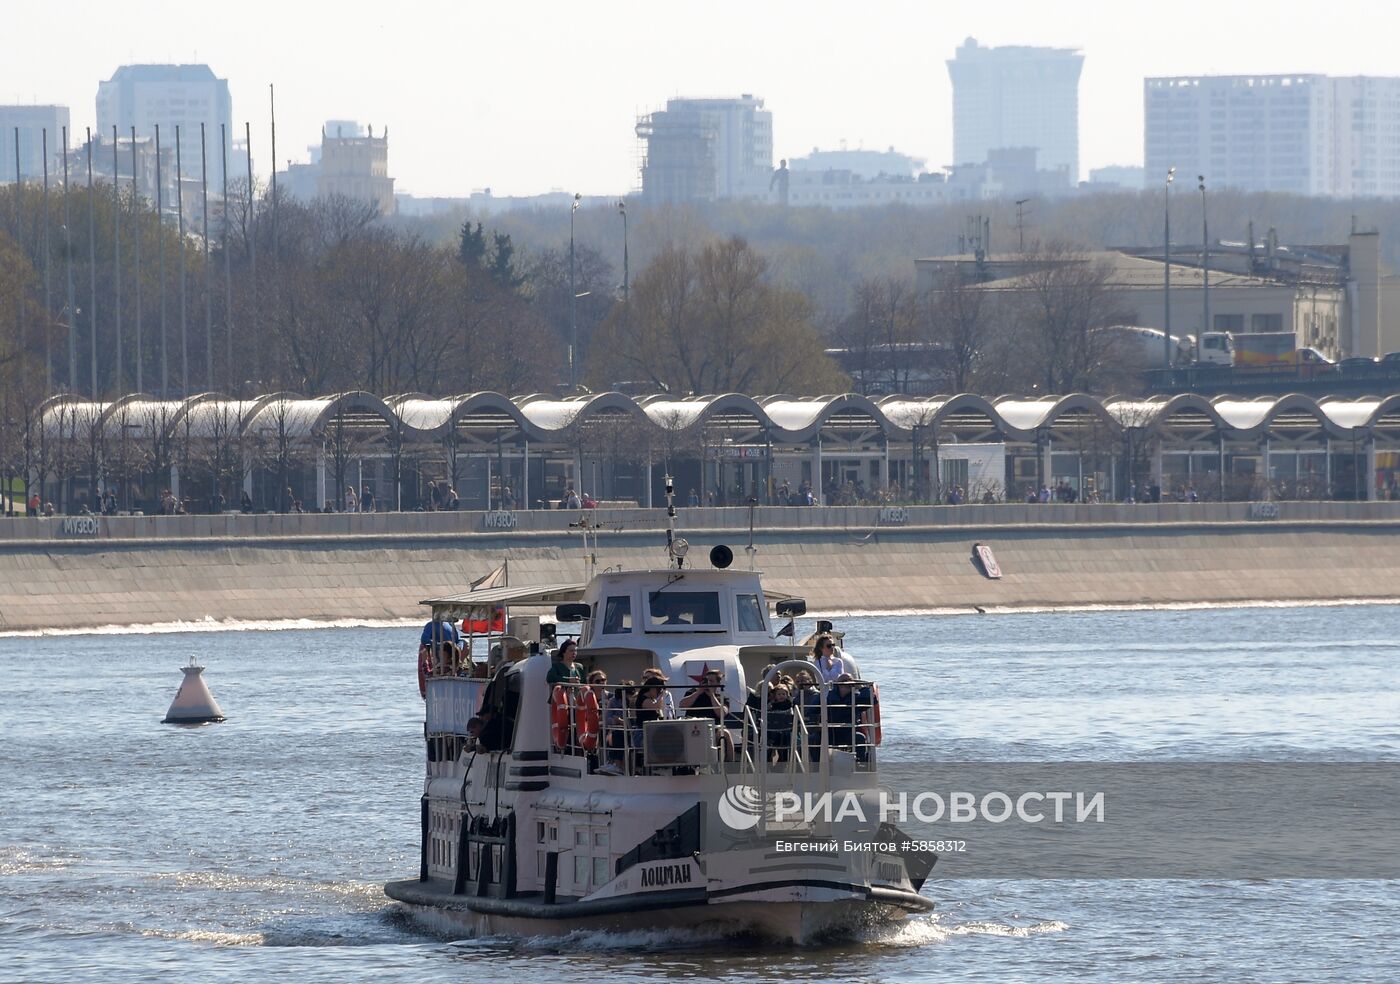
{"type": "Point", "coordinates": [1065, 298]}
{"type": "Point", "coordinates": [958, 313]}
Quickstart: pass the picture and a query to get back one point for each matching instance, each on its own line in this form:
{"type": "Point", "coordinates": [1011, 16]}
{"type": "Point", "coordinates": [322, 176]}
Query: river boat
{"type": "Point", "coordinates": [549, 808]}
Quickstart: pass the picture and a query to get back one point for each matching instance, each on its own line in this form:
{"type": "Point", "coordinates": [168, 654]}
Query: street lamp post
{"type": "Point", "coordinates": [1167, 272]}
{"type": "Point", "coordinates": [626, 278]}
{"type": "Point", "coordinates": [573, 300]}
{"type": "Point", "coordinates": [1205, 269]}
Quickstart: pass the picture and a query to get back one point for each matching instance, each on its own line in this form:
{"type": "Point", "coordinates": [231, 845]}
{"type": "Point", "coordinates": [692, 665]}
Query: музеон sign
{"type": "Point", "coordinates": [501, 519]}
{"type": "Point", "coordinates": [81, 526]}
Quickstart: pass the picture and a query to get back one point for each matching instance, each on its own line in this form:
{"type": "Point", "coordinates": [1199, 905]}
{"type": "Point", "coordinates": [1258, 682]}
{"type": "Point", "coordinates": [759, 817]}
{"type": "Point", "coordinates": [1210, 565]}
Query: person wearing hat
{"type": "Point", "coordinates": [435, 634]}
{"type": "Point", "coordinates": [652, 676]}
{"type": "Point", "coordinates": [437, 631]}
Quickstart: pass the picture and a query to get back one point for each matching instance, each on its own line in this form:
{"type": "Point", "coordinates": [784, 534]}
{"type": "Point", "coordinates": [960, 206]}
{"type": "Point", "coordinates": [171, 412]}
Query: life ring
{"type": "Point", "coordinates": [875, 711]}
{"type": "Point", "coordinates": [559, 717]}
{"type": "Point", "coordinates": [588, 721]}
{"type": "Point", "coordinates": [424, 669]}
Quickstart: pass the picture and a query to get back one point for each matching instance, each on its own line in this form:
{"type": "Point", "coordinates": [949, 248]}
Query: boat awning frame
{"type": "Point", "coordinates": [535, 595]}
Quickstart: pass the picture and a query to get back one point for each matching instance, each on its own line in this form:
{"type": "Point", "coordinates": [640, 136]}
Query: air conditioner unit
{"type": "Point", "coordinates": [526, 628]}
{"type": "Point", "coordinates": [682, 742]}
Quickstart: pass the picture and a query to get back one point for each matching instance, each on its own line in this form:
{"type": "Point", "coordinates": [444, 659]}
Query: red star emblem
{"type": "Point", "coordinates": [704, 671]}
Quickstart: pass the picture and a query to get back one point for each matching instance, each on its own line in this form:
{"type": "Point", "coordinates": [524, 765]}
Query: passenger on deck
{"type": "Point", "coordinates": [446, 663]}
{"type": "Point", "coordinates": [844, 714]}
{"type": "Point", "coordinates": [778, 721]}
{"type": "Point", "coordinates": [440, 631]}
{"type": "Point", "coordinates": [649, 705]}
{"type": "Point", "coordinates": [616, 711]}
{"type": "Point", "coordinates": [492, 737]}
{"type": "Point", "coordinates": [829, 663]}
{"type": "Point", "coordinates": [708, 701]}
{"type": "Point", "coordinates": [668, 702]}
{"type": "Point", "coordinates": [563, 669]}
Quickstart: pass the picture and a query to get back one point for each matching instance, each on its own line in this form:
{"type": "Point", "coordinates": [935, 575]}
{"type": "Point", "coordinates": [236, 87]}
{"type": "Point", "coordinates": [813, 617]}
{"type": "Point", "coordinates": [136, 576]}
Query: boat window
{"type": "Point", "coordinates": [684, 608]}
{"type": "Point", "coordinates": [617, 615]}
{"type": "Point", "coordinates": [750, 613]}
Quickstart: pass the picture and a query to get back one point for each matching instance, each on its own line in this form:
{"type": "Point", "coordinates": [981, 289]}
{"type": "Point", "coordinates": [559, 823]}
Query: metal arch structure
{"type": "Point", "coordinates": [523, 436]}
{"type": "Point", "coordinates": [786, 420]}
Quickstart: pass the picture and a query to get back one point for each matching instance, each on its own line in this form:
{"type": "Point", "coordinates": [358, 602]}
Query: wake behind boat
{"type": "Point", "coordinates": [628, 779]}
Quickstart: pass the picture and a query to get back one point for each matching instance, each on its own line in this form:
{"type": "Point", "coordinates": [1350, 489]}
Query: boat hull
{"type": "Point", "coordinates": [799, 917]}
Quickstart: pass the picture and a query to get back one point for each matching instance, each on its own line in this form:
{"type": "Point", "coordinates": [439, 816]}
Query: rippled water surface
{"type": "Point", "coordinates": [256, 848]}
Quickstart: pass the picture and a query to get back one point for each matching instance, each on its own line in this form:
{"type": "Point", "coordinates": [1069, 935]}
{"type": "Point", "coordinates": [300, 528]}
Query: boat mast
{"type": "Point", "coordinates": [676, 547]}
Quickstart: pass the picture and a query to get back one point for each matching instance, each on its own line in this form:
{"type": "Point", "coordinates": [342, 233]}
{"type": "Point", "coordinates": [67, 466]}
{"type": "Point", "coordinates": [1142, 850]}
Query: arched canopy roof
{"type": "Point", "coordinates": [785, 419]}
{"type": "Point", "coordinates": [547, 418]}
{"type": "Point", "coordinates": [302, 418]}
{"type": "Point", "coordinates": [670, 413]}
{"type": "Point", "coordinates": [1027, 417]}
{"type": "Point", "coordinates": [476, 413]}
{"type": "Point", "coordinates": [800, 420]}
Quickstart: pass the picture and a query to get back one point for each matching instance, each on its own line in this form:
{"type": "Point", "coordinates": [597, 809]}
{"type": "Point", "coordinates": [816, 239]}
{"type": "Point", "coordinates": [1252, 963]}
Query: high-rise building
{"type": "Point", "coordinates": [1016, 96]}
{"type": "Point", "coordinates": [865, 164]}
{"type": "Point", "coordinates": [355, 164]}
{"type": "Point", "coordinates": [31, 121]}
{"type": "Point", "coordinates": [145, 96]}
{"type": "Point", "coordinates": [707, 149]}
{"type": "Point", "coordinates": [1301, 134]}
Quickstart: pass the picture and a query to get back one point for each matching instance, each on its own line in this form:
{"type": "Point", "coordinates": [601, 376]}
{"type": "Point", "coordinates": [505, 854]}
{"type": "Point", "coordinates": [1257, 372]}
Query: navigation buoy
{"type": "Point", "coordinates": [193, 703]}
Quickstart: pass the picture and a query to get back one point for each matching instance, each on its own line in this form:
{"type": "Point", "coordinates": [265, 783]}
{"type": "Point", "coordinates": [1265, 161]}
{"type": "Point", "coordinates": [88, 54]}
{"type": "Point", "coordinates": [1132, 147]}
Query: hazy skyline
{"type": "Point", "coordinates": [543, 95]}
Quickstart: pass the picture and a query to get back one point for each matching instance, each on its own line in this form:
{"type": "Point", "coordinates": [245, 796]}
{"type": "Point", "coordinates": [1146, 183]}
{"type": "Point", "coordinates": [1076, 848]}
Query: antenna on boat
{"type": "Point", "coordinates": [590, 557]}
{"type": "Point", "coordinates": [676, 548]}
{"type": "Point", "coordinates": [751, 550]}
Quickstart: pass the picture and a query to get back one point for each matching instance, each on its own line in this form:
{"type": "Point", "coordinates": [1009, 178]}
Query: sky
{"type": "Point", "coordinates": [533, 95]}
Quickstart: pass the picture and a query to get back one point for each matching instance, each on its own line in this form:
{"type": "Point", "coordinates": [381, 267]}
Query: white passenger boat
{"type": "Point", "coordinates": [553, 808]}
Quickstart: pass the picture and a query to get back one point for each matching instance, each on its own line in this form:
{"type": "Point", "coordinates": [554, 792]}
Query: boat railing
{"type": "Point", "coordinates": [836, 722]}
{"type": "Point", "coordinates": [604, 723]}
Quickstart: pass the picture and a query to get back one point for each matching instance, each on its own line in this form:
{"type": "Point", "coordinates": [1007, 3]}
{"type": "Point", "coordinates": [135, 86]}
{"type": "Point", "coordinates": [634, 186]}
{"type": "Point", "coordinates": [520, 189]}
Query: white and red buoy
{"type": "Point", "coordinates": [193, 703]}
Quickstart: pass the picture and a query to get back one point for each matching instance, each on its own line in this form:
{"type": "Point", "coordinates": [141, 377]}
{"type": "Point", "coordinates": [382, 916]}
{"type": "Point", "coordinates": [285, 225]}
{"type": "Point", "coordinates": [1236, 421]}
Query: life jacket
{"type": "Point", "coordinates": [559, 717]}
{"type": "Point", "coordinates": [425, 668]}
{"type": "Point", "coordinates": [588, 720]}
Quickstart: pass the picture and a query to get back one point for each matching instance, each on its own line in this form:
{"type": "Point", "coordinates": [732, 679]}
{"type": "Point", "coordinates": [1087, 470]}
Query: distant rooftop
{"type": "Point", "coordinates": [164, 73]}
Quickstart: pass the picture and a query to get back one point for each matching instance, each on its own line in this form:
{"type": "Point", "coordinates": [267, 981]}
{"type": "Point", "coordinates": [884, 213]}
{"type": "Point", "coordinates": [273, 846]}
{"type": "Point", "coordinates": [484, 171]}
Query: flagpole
{"type": "Point", "coordinates": [180, 222]}
{"type": "Point", "coordinates": [136, 224]}
{"type": "Point", "coordinates": [208, 301]}
{"type": "Point", "coordinates": [228, 270]}
{"type": "Point", "coordinates": [92, 267]}
{"type": "Point", "coordinates": [160, 254]}
{"type": "Point", "coordinates": [117, 260]}
{"type": "Point", "coordinates": [48, 261]}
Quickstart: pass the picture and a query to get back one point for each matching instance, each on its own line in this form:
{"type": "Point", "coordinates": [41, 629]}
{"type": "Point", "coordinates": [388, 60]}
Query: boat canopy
{"type": "Point", "coordinates": [537, 595]}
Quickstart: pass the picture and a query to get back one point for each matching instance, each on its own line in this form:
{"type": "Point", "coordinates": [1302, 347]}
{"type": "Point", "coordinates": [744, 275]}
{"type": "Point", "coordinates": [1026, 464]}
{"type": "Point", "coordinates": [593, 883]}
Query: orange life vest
{"type": "Point", "coordinates": [588, 720]}
{"type": "Point", "coordinates": [559, 717]}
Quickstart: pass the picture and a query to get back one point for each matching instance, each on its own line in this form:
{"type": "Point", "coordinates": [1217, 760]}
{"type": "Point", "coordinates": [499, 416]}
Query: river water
{"type": "Point", "coordinates": [256, 848]}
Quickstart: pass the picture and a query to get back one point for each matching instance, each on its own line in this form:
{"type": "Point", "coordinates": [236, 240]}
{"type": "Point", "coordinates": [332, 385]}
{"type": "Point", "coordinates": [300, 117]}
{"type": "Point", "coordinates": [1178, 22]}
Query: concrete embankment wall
{"type": "Point", "coordinates": [137, 570]}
